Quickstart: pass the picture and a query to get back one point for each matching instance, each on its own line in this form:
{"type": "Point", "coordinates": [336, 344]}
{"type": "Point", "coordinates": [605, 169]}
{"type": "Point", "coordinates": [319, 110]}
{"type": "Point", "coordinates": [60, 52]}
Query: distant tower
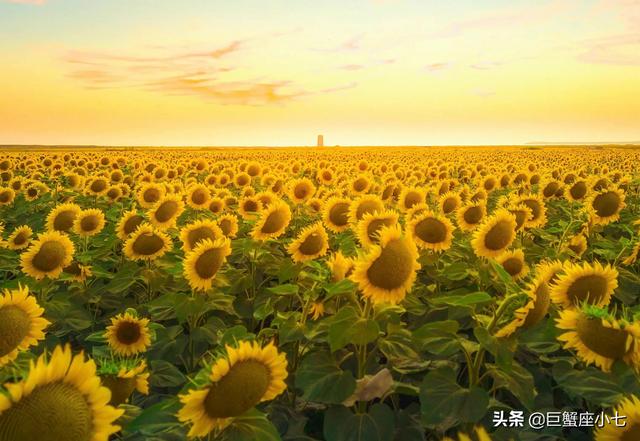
{"type": "Point", "coordinates": [320, 141]}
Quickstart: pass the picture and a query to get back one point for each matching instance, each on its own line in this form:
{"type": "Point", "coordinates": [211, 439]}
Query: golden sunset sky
{"type": "Point", "coordinates": [276, 72]}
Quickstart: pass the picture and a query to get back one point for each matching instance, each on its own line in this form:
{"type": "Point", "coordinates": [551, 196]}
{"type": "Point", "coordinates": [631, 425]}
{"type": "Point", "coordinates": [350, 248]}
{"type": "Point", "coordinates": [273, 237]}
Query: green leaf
{"type": "Point", "coordinates": [252, 426]}
{"type": "Point", "coordinates": [473, 299]}
{"type": "Point", "coordinates": [592, 384]}
{"type": "Point", "coordinates": [322, 380]}
{"type": "Point", "coordinates": [517, 380]}
{"type": "Point", "coordinates": [444, 402]}
{"type": "Point", "coordinates": [284, 290]}
{"type": "Point", "coordinates": [164, 374]}
{"type": "Point", "coordinates": [340, 424]}
{"type": "Point", "coordinates": [156, 418]}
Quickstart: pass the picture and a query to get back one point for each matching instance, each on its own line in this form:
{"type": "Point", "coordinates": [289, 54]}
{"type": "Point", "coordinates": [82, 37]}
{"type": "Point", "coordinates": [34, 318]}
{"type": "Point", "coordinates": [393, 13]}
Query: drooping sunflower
{"type": "Point", "coordinates": [598, 338]}
{"type": "Point", "coordinates": [228, 223]}
{"type": "Point", "coordinates": [513, 263]}
{"type": "Point", "coordinates": [127, 380]}
{"type": "Point", "coordinates": [480, 434]}
{"type": "Point", "coordinates": [593, 284]}
{"type": "Point", "coordinates": [198, 196]}
{"type": "Point", "coordinates": [166, 212]}
{"type": "Point", "coordinates": [128, 335]}
{"type": "Point", "coordinates": [369, 226]}
{"type": "Point", "coordinates": [246, 376]}
{"type": "Point", "coordinates": [78, 272]}
{"type": "Point", "coordinates": [431, 231]}
{"type": "Point", "coordinates": [605, 206]}
{"type": "Point", "coordinates": [495, 234]}
{"type": "Point", "coordinates": [128, 223]}
{"type": "Point", "coordinates": [335, 214]}
{"type": "Point", "coordinates": [633, 257]}
{"type": "Point", "coordinates": [629, 407]}
{"type": "Point", "coordinates": [47, 255]}
{"type": "Point", "coordinates": [316, 311]}
{"type": "Point", "coordinates": [20, 238]}
{"type": "Point", "coordinates": [469, 216]}
{"type": "Point", "coordinates": [194, 233]}
{"type": "Point", "coordinates": [273, 221]}
{"type": "Point", "coordinates": [387, 272]}
{"type": "Point", "coordinates": [89, 222]}
{"type": "Point", "coordinates": [203, 263]}
{"type": "Point", "coordinates": [21, 323]}
{"type": "Point", "coordinates": [59, 400]}
{"type": "Point", "coordinates": [340, 266]}
{"type": "Point", "coordinates": [62, 217]}
{"type": "Point", "coordinates": [533, 311]}
{"type": "Point", "coordinates": [578, 244]}
{"type": "Point", "coordinates": [312, 242]}
{"type": "Point", "coordinates": [365, 204]}
{"type": "Point", "coordinates": [147, 243]}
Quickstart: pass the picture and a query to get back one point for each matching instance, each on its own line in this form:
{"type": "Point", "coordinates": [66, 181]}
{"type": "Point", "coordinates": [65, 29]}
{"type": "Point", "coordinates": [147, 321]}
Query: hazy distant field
{"type": "Point", "coordinates": [318, 293]}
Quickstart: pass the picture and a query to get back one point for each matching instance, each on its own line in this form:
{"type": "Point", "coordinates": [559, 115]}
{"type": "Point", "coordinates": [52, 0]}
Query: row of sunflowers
{"type": "Point", "coordinates": [295, 294]}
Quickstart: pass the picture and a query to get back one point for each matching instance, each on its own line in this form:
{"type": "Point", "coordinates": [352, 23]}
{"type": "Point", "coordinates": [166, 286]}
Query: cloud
{"type": "Point", "coordinates": [508, 17]}
{"type": "Point", "coordinates": [352, 67]}
{"type": "Point", "coordinates": [622, 49]}
{"type": "Point", "coordinates": [352, 44]}
{"type": "Point", "coordinates": [184, 71]}
{"type": "Point", "coordinates": [438, 67]}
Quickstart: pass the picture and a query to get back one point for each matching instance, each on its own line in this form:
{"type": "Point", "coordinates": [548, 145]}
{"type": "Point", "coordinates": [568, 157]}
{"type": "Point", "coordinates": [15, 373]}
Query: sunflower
{"type": "Point", "coordinates": [273, 221]}
{"type": "Point", "coordinates": [340, 266]}
{"type": "Point", "coordinates": [388, 270]}
{"type": "Point", "coordinates": [605, 206]}
{"type": "Point", "coordinates": [411, 196]}
{"type": "Point", "coordinates": [203, 263]}
{"type": "Point", "coordinates": [7, 195]}
{"type": "Point", "coordinates": [533, 311]}
{"type": "Point", "coordinates": [593, 284]}
{"type": "Point", "coordinates": [513, 263]}
{"type": "Point", "coordinates": [578, 190]}
{"type": "Point", "coordinates": [194, 233]}
{"type": "Point", "coordinates": [317, 310]}
{"type": "Point", "coordinates": [479, 435]}
{"type": "Point", "coordinates": [78, 272]}
{"type": "Point", "coordinates": [20, 238]}
{"type": "Point", "coordinates": [89, 222]}
{"type": "Point", "coordinates": [21, 323]}
{"type": "Point", "coordinates": [431, 231]}
{"type": "Point", "coordinates": [469, 216]}
{"type": "Point", "coordinates": [47, 256]}
{"type": "Point", "coordinates": [538, 209]}
{"type": "Point", "coordinates": [599, 338]}
{"type": "Point", "coordinates": [522, 214]}
{"type": "Point", "coordinates": [301, 190]}
{"type": "Point", "coordinates": [550, 270]}
{"type": "Point", "coordinates": [416, 211]}
{"type": "Point", "coordinates": [166, 212]}
{"type": "Point", "coordinates": [246, 376]}
{"type": "Point", "coordinates": [578, 244]}
{"type": "Point", "coordinates": [128, 335]}
{"type": "Point", "coordinates": [359, 185]}
{"type": "Point", "coordinates": [198, 196]}
{"type": "Point", "coordinates": [228, 223]}
{"type": "Point", "coordinates": [311, 242]}
{"type": "Point", "coordinates": [628, 407]}
{"type": "Point", "coordinates": [495, 234]}
{"type": "Point", "coordinates": [59, 400]}
{"type": "Point", "coordinates": [364, 204]}
{"type": "Point", "coordinates": [250, 207]}
{"type": "Point", "coordinates": [335, 214]}
{"type": "Point", "coordinates": [128, 223]}
{"type": "Point", "coordinates": [147, 243]}
{"type": "Point", "coordinates": [62, 217]}
{"type": "Point", "coordinates": [450, 202]}
{"type": "Point", "coordinates": [369, 226]}
{"type": "Point", "coordinates": [127, 380]}
{"type": "Point", "coordinates": [150, 194]}
{"type": "Point", "coordinates": [217, 205]}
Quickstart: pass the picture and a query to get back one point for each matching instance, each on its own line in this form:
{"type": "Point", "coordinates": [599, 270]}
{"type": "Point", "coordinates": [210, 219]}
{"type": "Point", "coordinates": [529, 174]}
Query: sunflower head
{"type": "Point", "coordinates": [469, 216]}
{"type": "Point", "coordinates": [89, 222]}
{"type": "Point", "coordinates": [273, 221]}
{"type": "Point", "coordinates": [368, 228]}
{"type": "Point", "coordinates": [122, 377]}
{"type": "Point", "coordinates": [228, 223]}
{"type": "Point", "coordinates": [20, 238]}
{"type": "Point", "coordinates": [605, 206]}
{"type": "Point", "coordinates": [612, 431]}
{"type": "Point", "coordinates": [513, 262]}
{"type": "Point", "coordinates": [593, 284]}
{"type": "Point", "coordinates": [312, 242]}
{"type": "Point", "coordinates": [431, 231]}
{"type": "Point", "coordinates": [165, 213]}
{"type": "Point", "coordinates": [495, 234]}
{"type": "Point", "coordinates": [203, 263]}
{"type": "Point", "coordinates": [194, 233]}
{"type": "Point", "coordinates": [244, 377]}
{"type": "Point", "coordinates": [147, 243]}
{"type": "Point", "coordinates": [21, 323]}
{"type": "Point", "coordinates": [367, 204]}
{"type": "Point", "coordinates": [340, 266]}
{"type": "Point", "coordinates": [301, 190]}
{"type": "Point", "coordinates": [47, 256]}
{"type": "Point", "coordinates": [128, 223]}
{"type": "Point", "coordinates": [64, 396]}
{"type": "Point", "coordinates": [388, 270]}
{"type": "Point", "coordinates": [336, 214]}
{"type": "Point", "coordinates": [63, 217]}
{"type": "Point", "coordinates": [128, 335]}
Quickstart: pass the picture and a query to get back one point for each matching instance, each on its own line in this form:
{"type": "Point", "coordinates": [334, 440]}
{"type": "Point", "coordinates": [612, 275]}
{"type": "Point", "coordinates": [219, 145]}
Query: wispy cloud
{"type": "Point", "coordinates": [622, 49]}
{"type": "Point", "coordinates": [485, 65]}
{"type": "Point", "coordinates": [438, 67]}
{"type": "Point", "coordinates": [27, 2]}
{"type": "Point", "coordinates": [185, 71]}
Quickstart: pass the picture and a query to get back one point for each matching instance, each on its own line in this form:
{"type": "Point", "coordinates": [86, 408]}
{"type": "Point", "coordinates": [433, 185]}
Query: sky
{"type": "Point", "coordinates": [280, 72]}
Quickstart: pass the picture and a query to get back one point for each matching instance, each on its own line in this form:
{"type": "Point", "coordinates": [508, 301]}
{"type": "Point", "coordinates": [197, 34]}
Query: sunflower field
{"type": "Point", "coordinates": [383, 294]}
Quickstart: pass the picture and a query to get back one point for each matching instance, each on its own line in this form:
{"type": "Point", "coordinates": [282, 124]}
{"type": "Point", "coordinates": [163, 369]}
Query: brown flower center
{"type": "Point", "coordinates": [431, 230]}
{"type": "Point", "coordinates": [147, 244]}
{"type": "Point", "coordinates": [50, 256]}
{"type": "Point", "coordinates": [199, 234]}
{"type": "Point", "coordinates": [499, 236]}
{"type": "Point", "coordinates": [14, 327]}
{"type": "Point", "coordinates": [128, 332]}
{"type": "Point", "coordinates": [393, 267]}
{"type": "Point", "coordinates": [604, 341]}
{"type": "Point", "coordinates": [606, 204]}
{"type": "Point", "coordinates": [121, 388]}
{"type": "Point", "coordinates": [338, 214]}
{"type": "Point", "coordinates": [312, 244]}
{"type": "Point", "coordinates": [275, 221]}
{"type": "Point", "coordinates": [472, 215]}
{"type": "Point", "coordinates": [591, 288]}
{"type": "Point", "coordinates": [64, 220]}
{"type": "Point", "coordinates": [209, 262]}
